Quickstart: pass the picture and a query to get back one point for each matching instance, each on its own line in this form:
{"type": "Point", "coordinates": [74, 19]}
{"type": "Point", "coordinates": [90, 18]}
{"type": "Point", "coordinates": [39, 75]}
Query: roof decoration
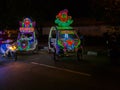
{"type": "Point", "coordinates": [27, 22]}
{"type": "Point", "coordinates": [63, 19]}
{"type": "Point", "coordinates": [27, 25]}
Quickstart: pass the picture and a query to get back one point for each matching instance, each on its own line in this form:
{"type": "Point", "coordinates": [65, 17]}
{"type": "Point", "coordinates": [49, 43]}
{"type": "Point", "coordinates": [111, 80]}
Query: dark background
{"type": "Point", "coordinates": [42, 11]}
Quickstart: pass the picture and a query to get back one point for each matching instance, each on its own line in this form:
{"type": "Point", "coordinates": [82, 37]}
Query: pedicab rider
{"type": "Point", "coordinates": [114, 53]}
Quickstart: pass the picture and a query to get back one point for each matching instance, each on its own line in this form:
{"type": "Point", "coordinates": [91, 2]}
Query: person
{"type": "Point", "coordinates": [106, 38]}
{"type": "Point", "coordinates": [114, 53]}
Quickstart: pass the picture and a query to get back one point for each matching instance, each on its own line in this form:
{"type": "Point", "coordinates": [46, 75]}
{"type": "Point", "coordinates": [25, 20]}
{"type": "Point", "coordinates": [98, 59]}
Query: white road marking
{"type": "Point", "coordinates": [62, 69]}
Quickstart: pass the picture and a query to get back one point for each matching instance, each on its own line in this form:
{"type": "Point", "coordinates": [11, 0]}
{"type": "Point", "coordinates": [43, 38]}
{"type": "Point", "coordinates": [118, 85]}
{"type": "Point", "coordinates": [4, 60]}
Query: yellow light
{"type": "Point", "coordinates": [13, 48]}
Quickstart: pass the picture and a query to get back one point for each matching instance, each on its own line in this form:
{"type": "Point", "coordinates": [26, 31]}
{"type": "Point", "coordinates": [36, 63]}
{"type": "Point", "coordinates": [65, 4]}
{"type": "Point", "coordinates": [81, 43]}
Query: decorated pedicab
{"type": "Point", "coordinates": [63, 39]}
{"type": "Point", "coordinates": [27, 40]}
{"type": "Point", "coordinates": [8, 46]}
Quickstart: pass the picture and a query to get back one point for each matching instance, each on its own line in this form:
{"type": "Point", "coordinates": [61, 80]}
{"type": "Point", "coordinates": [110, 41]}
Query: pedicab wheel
{"type": "Point", "coordinates": [49, 51]}
{"type": "Point", "coordinates": [36, 50]}
{"type": "Point", "coordinates": [79, 55]}
{"type": "Point", "coordinates": [15, 57]}
{"type": "Point", "coordinates": [9, 54]}
{"type": "Point", "coordinates": [55, 57]}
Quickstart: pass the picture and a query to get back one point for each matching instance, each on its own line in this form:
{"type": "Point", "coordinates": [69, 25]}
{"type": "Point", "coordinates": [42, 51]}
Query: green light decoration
{"type": "Point", "coordinates": [20, 47]}
{"type": "Point", "coordinates": [60, 44]}
{"type": "Point", "coordinates": [62, 28]}
{"type": "Point", "coordinates": [79, 42]}
{"type": "Point", "coordinates": [63, 20]}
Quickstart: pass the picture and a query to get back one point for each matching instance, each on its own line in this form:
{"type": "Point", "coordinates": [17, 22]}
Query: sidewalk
{"type": "Point", "coordinates": [100, 50]}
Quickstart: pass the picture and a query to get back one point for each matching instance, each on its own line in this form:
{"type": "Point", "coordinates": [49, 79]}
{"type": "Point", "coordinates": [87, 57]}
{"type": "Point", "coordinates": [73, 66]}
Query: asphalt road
{"type": "Point", "coordinates": [40, 72]}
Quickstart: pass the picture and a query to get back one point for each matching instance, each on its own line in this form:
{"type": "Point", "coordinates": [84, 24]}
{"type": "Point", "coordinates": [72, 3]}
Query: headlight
{"type": "Point", "coordinates": [13, 48]}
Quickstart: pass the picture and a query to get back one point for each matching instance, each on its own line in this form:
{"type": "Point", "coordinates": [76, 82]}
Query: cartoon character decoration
{"type": "Point", "coordinates": [62, 19]}
{"type": "Point", "coordinates": [27, 22]}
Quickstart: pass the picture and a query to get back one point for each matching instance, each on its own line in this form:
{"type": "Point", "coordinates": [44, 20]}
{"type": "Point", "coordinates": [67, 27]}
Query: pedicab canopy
{"type": "Point", "coordinates": [27, 26]}
{"type": "Point", "coordinates": [63, 20]}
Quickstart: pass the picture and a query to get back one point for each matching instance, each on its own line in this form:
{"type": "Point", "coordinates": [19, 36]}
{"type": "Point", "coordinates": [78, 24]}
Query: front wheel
{"type": "Point", "coordinates": [55, 56]}
{"type": "Point", "coordinates": [13, 55]}
{"type": "Point", "coordinates": [36, 50]}
{"type": "Point", "coordinates": [79, 55]}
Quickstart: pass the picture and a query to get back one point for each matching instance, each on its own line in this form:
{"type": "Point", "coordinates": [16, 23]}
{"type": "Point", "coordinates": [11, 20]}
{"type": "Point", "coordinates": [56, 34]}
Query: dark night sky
{"type": "Point", "coordinates": [40, 10]}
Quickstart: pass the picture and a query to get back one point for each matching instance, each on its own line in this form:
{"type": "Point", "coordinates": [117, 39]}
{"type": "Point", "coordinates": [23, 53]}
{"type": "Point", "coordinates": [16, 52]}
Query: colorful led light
{"type": "Point", "coordinates": [62, 19]}
{"type": "Point", "coordinates": [27, 26]}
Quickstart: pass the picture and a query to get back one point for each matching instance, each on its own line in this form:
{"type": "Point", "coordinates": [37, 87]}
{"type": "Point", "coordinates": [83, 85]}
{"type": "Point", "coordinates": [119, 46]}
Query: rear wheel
{"type": "Point", "coordinates": [36, 50]}
{"type": "Point", "coordinates": [13, 55]}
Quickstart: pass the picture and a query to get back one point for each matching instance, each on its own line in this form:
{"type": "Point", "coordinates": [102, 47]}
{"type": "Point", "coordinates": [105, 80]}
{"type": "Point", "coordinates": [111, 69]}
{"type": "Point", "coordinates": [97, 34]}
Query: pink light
{"type": "Point", "coordinates": [27, 29]}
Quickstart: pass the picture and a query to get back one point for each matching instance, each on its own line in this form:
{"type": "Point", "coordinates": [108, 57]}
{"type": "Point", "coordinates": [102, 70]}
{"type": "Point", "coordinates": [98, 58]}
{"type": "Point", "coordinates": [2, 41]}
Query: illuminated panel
{"type": "Point", "coordinates": [23, 29]}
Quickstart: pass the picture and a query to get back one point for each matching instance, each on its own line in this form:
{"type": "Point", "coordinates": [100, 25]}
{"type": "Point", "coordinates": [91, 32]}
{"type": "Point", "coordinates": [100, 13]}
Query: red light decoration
{"type": "Point", "coordinates": [70, 42]}
{"type": "Point", "coordinates": [27, 22]}
{"type": "Point", "coordinates": [63, 15]}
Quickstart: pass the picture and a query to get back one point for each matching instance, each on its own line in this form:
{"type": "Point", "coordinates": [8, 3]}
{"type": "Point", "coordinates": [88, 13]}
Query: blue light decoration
{"type": "Point", "coordinates": [3, 48]}
{"type": "Point", "coordinates": [63, 20]}
{"type": "Point", "coordinates": [66, 35]}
